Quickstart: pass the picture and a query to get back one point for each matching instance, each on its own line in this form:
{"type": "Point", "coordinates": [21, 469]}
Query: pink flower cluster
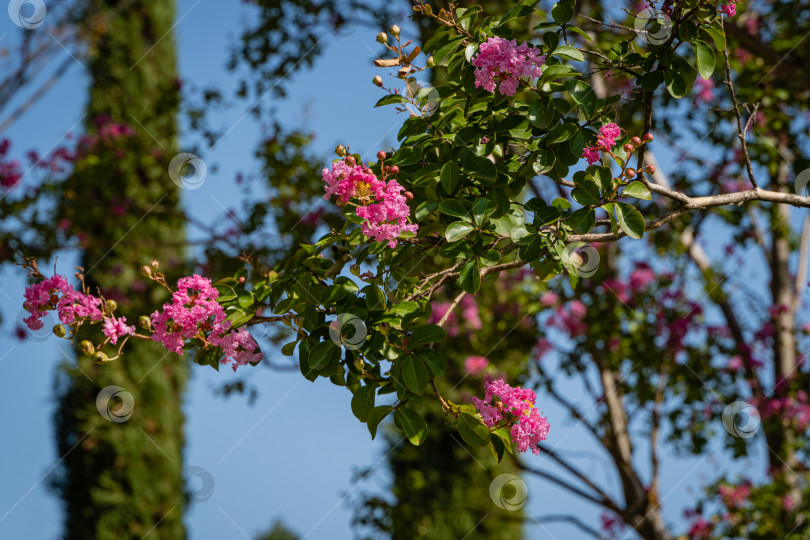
{"type": "Point", "coordinates": [606, 140]}
{"type": "Point", "coordinates": [506, 61]}
{"type": "Point", "coordinates": [734, 496]}
{"type": "Point", "coordinates": [72, 306]}
{"type": "Point", "coordinates": [729, 9]}
{"type": "Point", "coordinates": [476, 364]}
{"type": "Point", "coordinates": [470, 316]}
{"type": "Point", "coordinates": [194, 312]}
{"type": "Point", "coordinates": [56, 293]}
{"type": "Point", "coordinates": [515, 407]}
{"type": "Point", "coordinates": [383, 206]}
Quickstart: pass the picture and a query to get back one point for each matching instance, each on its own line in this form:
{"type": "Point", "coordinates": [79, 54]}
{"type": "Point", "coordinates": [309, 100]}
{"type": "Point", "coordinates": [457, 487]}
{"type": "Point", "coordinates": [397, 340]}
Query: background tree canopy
{"type": "Point", "coordinates": [613, 215]}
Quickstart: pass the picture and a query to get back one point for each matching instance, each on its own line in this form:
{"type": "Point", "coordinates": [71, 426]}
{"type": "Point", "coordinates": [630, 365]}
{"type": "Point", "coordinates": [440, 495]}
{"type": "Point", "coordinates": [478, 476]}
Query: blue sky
{"type": "Point", "coordinates": [292, 454]}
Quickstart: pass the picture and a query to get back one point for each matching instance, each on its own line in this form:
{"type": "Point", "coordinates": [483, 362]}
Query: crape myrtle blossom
{"type": "Point", "coordinates": [56, 293]}
{"type": "Point", "coordinates": [381, 204]}
{"type": "Point", "coordinates": [116, 328]}
{"type": "Point", "coordinates": [608, 134]}
{"type": "Point", "coordinates": [475, 364]}
{"type": "Point", "coordinates": [193, 312]}
{"type": "Point", "coordinates": [504, 405]}
{"type": "Point", "coordinates": [505, 61]}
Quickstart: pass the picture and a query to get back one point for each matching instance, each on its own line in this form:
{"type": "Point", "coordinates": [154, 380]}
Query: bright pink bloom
{"type": "Point", "coordinates": [57, 293]}
{"type": "Point", "coordinates": [117, 328]}
{"type": "Point", "coordinates": [608, 134]}
{"type": "Point", "coordinates": [514, 406]}
{"type": "Point", "coordinates": [194, 310]}
{"type": "Point", "coordinates": [505, 61]}
{"type": "Point", "coordinates": [476, 364]}
{"type": "Point", "coordinates": [387, 219]}
{"type": "Point", "coordinates": [729, 10]}
{"type": "Point", "coordinates": [381, 204]}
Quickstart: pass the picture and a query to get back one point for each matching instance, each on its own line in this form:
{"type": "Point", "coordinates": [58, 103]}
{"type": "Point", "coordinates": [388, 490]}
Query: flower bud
{"type": "Point", "coordinates": [431, 63]}
{"type": "Point", "coordinates": [88, 348]}
{"type": "Point", "coordinates": [241, 280]}
{"type": "Point", "coordinates": [648, 137]}
{"type": "Point", "coordinates": [630, 173]}
{"type": "Point", "coordinates": [382, 37]}
{"type": "Point", "coordinates": [408, 196]}
{"type": "Point", "coordinates": [350, 161]}
{"type": "Point", "coordinates": [112, 305]}
{"type": "Point", "coordinates": [649, 169]}
{"type": "Point", "coordinates": [355, 269]}
{"type": "Point", "coordinates": [628, 148]}
{"type": "Point", "coordinates": [340, 150]}
{"type": "Point", "coordinates": [101, 357]}
{"type": "Point", "coordinates": [154, 265]}
{"type": "Point", "coordinates": [380, 155]}
{"type": "Point", "coordinates": [395, 30]}
{"type": "Point", "coordinates": [377, 80]}
{"type": "Point", "coordinates": [145, 322]}
{"type": "Point", "coordinates": [54, 298]}
{"type": "Point", "coordinates": [636, 141]}
{"type": "Point", "coordinates": [59, 330]}
{"type": "Point", "coordinates": [394, 169]}
{"type": "Point", "coordinates": [146, 271]}
{"type": "Point", "coordinates": [272, 276]}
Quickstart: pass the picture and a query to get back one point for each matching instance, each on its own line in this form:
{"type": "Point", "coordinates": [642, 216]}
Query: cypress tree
{"type": "Point", "coordinates": [122, 479]}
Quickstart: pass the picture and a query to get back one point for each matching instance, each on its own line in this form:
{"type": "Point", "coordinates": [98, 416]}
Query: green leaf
{"type": "Point", "coordinates": [472, 430]}
{"type": "Point", "coordinates": [363, 401]}
{"type": "Point", "coordinates": [209, 357]}
{"type": "Point", "coordinates": [450, 176]}
{"type": "Point", "coordinates": [322, 353]}
{"type": "Point", "coordinates": [630, 220]}
{"type": "Point", "coordinates": [569, 52]}
{"type": "Point", "coordinates": [491, 257]}
{"type": "Point", "coordinates": [583, 95]}
{"type": "Point", "coordinates": [715, 31]}
{"type": "Point", "coordinates": [375, 416]}
{"type": "Point", "coordinates": [562, 12]}
{"type": "Point", "coordinates": [481, 209]}
{"type": "Point", "coordinates": [413, 425]}
{"type": "Point", "coordinates": [414, 373]}
{"type": "Point", "coordinates": [452, 207]}
{"type": "Point", "coordinates": [434, 360]}
{"type": "Point", "coordinates": [428, 333]}
{"type": "Point", "coordinates": [583, 220]}
{"type": "Point", "coordinates": [390, 99]}
{"type": "Point", "coordinates": [458, 230]}
{"type": "Point", "coordinates": [706, 61]}
{"type": "Point", "coordinates": [469, 278]}
{"type": "Point", "coordinates": [561, 133]}
{"type": "Point", "coordinates": [676, 84]}
{"type": "Point", "coordinates": [637, 190]}
{"type": "Point", "coordinates": [443, 53]}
